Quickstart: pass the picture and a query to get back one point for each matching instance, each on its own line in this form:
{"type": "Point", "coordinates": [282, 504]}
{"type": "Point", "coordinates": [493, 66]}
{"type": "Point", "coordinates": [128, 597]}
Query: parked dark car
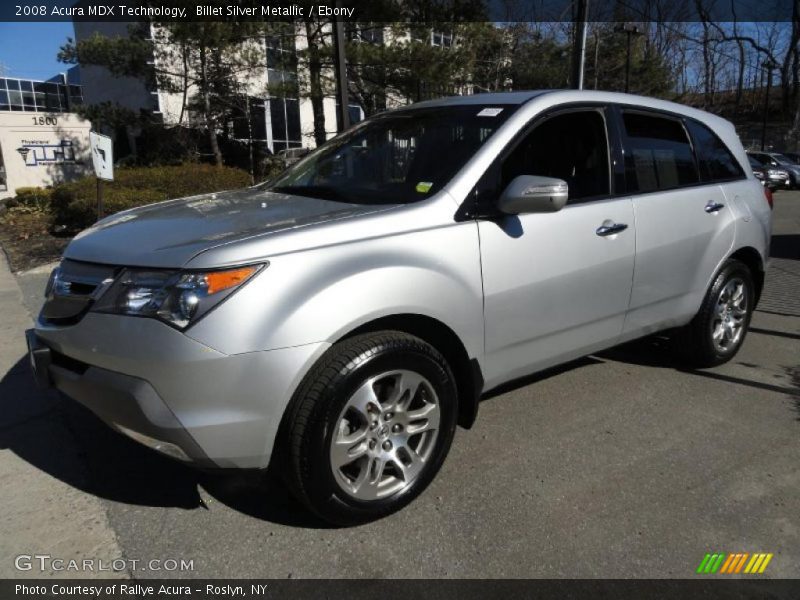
{"type": "Point", "coordinates": [759, 170]}
{"type": "Point", "coordinates": [780, 161]}
{"type": "Point", "coordinates": [772, 177]}
{"type": "Point", "coordinates": [794, 156]}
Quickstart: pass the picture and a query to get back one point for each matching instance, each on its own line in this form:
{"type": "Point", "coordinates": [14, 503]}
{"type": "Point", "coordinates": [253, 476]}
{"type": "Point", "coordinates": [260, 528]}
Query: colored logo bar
{"type": "Point", "coordinates": [735, 562]}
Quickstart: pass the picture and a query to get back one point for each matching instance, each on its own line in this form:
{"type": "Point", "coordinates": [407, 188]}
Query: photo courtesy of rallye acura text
{"type": "Point", "coordinates": [339, 321]}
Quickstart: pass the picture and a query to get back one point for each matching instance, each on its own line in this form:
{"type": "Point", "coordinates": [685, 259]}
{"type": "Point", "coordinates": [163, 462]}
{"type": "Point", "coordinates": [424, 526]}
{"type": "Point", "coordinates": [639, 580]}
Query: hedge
{"type": "Point", "coordinates": [31, 197]}
{"type": "Point", "coordinates": [73, 204]}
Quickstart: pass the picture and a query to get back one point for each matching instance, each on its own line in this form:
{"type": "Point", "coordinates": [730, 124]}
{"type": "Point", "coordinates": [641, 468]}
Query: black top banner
{"type": "Point", "coordinates": [396, 10]}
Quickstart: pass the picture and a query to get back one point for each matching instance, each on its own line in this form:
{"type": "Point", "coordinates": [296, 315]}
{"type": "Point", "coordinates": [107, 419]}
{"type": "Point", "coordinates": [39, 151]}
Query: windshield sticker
{"type": "Point", "coordinates": [490, 112]}
{"type": "Point", "coordinates": [423, 187]}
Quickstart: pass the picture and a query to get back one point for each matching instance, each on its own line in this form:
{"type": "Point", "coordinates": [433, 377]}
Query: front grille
{"type": "Point", "coordinates": [72, 289]}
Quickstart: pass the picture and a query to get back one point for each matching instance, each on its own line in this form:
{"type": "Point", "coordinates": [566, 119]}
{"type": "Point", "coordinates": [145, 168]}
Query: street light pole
{"type": "Point", "coordinates": [769, 66]}
{"type": "Point", "coordinates": [579, 47]}
{"type": "Point", "coordinates": [630, 31]}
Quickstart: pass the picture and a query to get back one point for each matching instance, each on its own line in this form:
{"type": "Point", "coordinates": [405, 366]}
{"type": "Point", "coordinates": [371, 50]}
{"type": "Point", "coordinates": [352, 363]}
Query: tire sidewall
{"type": "Point", "coordinates": [323, 485]}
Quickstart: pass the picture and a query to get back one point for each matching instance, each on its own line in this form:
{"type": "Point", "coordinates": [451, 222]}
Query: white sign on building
{"type": "Point", "coordinates": [41, 149]}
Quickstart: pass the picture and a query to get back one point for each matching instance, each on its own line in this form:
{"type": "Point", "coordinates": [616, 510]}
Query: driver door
{"type": "Point", "coordinates": [556, 285]}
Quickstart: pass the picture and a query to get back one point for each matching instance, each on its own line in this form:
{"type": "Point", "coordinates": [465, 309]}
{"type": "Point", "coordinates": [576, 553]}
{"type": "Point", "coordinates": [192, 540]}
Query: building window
{"type": "Point", "coordinates": [281, 59]}
{"type": "Point", "coordinates": [284, 116]}
{"type": "Point", "coordinates": [13, 93]}
{"type": "Point", "coordinates": [368, 33]}
{"type": "Point", "coordinates": [256, 130]}
{"type": "Point", "coordinates": [354, 110]}
{"type": "Point", "coordinates": [441, 39]}
{"type": "Point", "coordinates": [23, 95]}
{"type": "Point", "coordinates": [283, 106]}
{"type": "Point", "coordinates": [75, 95]}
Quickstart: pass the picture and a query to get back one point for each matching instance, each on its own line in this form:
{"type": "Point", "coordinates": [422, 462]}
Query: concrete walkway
{"type": "Point", "coordinates": [41, 514]}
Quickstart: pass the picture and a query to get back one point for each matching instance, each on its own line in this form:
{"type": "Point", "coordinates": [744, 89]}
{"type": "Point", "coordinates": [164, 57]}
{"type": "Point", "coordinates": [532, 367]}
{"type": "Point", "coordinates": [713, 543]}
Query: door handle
{"type": "Point", "coordinates": [713, 207]}
{"type": "Point", "coordinates": [610, 228]}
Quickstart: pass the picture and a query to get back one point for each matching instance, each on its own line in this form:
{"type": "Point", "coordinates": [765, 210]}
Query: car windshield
{"type": "Point", "coordinates": [397, 157]}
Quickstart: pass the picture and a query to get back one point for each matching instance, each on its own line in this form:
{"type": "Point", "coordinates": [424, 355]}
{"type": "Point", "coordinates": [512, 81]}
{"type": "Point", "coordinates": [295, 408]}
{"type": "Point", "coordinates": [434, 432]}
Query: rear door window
{"type": "Point", "coordinates": [658, 154]}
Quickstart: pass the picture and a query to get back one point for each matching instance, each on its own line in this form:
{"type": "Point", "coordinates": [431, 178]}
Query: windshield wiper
{"type": "Point", "coordinates": [313, 191]}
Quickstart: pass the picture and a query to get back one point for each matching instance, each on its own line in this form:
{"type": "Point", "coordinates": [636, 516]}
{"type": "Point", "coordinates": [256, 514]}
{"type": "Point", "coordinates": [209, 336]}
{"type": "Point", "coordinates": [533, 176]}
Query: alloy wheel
{"type": "Point", "coordinates": [730, 314]}
{"type": "Point", "coordinates": [385, 434]}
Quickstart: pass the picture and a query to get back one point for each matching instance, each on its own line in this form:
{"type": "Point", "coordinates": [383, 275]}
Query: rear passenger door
{"type": "Point", "coordinates": [684, 227]}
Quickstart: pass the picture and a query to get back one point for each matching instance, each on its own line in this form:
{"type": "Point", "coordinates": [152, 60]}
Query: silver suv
{"type": "Point", "coordinates": [341, 320]}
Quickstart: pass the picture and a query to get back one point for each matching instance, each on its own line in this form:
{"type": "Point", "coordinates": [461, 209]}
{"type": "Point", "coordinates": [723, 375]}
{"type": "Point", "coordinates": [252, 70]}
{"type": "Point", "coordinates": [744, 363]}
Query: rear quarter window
{"type": "Point", "coordinates": [716, 161]}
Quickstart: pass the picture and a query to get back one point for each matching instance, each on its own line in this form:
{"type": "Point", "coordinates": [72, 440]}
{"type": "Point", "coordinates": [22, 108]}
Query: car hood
{"type": "Point", "coordinates": [788, 167]}
{"type": "Point", "coordinates": [171, 233]}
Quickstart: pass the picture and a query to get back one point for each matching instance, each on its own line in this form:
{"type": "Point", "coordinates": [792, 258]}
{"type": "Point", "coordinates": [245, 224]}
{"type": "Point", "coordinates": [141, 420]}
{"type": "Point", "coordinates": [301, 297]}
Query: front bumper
{"type": "Point", "coordinates": [172, 393]}
{"type": "Point", "coordinates": [779, 182]}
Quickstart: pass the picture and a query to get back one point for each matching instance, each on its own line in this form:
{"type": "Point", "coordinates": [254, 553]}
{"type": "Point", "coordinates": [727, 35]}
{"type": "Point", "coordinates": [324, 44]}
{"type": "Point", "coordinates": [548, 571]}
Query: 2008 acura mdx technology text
{"type": "Point", "coordinates": [341, 319]}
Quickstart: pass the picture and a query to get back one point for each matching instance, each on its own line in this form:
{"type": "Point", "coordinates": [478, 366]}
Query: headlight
{"type": "Point", "coordinates": [775, 173]}
{"type": "Point", "coordinates": [176, 297]}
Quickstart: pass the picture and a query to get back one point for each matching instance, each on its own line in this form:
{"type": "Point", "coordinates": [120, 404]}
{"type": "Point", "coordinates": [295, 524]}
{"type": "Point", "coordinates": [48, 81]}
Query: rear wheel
{"type": "Point", "coordinates": [370, 427]}
{"type": "Point", "coordinates": [716, 333]}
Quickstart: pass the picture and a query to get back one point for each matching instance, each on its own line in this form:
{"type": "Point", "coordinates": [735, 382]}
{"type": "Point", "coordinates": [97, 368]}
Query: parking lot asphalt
{"type": "Point", "coordinates": [617, 465]}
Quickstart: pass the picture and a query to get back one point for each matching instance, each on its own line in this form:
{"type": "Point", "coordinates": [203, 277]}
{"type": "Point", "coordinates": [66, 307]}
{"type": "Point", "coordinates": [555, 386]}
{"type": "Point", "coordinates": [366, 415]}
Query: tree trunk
{"type": "Point", "coordinates": [185, 81]}
{"type": "Point", "coordinates": [210, 125]}
{"type": "Point", "coordinates": [707, 70]}
{"type": "Point", "coordinates": [315, 84]}
{"type": "Point", "coordinates": [739, 78]}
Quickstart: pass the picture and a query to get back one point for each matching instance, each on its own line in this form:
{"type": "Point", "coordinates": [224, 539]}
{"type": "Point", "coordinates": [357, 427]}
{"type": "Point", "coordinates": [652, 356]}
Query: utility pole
{"type": "Point", "coordinates": [579, 46]}
{"type": "Point", "coordinates": [630, 31]}
{"type": "Point", "coordinates": [769, 66]}
{"type": "Point", "coordinates": [341, 70]}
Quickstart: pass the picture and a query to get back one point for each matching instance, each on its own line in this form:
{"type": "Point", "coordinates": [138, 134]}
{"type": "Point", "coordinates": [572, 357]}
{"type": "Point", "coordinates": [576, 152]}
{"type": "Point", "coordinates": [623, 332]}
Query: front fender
{"type": "Point", "coordinates": [320, 295]}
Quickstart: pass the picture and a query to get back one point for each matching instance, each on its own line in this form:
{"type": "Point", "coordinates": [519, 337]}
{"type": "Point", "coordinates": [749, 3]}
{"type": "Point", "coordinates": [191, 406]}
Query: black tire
{"type": "Point", "coordinates": [694, 342]}
{"type": "Point", "coordinates": [315, 410]}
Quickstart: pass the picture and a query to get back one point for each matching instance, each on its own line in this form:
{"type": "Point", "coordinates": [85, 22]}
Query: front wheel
{"type": "Point", "coordinates": [370, 426]}
{"type": "Point", "coordinates": [716, 333]}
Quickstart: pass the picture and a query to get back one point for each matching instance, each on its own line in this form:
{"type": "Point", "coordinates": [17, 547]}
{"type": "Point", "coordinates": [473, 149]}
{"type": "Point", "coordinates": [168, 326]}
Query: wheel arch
{"type": "Point", "coordinates": [467, 371]}
{"type": "Point", "coordinates": [753, 260]}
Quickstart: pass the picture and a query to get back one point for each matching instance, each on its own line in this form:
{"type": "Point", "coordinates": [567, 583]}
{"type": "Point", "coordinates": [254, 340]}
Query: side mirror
{"type": "Point", "coordinates": [533, 194]}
